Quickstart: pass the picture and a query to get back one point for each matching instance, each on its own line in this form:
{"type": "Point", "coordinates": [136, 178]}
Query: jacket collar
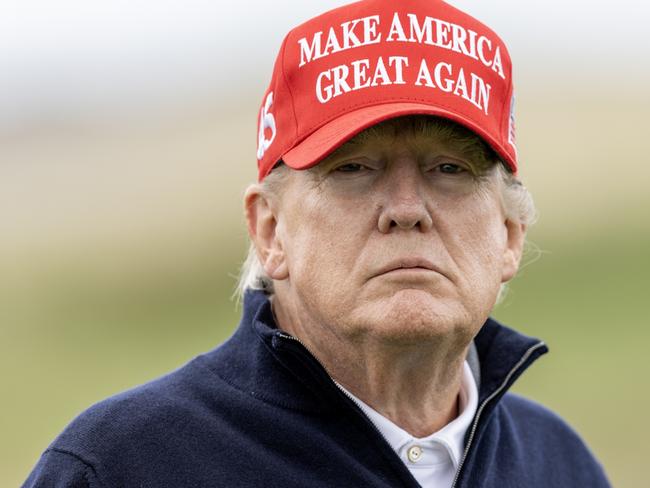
{"type": "Point", "coordinates": [268, 364]}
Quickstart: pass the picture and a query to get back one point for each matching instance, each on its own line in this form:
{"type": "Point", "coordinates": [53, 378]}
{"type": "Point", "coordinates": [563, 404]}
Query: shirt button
{"type": "Point", "coordinates": [414, 453]}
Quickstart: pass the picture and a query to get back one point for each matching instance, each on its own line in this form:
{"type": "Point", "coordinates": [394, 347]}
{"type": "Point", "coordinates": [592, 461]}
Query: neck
{"type": "Point", "coordinates": [414, 384]}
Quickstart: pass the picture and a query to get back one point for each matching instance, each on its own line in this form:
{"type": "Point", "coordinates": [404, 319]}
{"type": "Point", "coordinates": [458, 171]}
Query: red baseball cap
{"type": "Point", "coordinates": [355, 66]}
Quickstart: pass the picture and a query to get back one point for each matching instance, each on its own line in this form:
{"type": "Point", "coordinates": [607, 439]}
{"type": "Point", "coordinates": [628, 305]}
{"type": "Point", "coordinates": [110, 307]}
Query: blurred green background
{"type": "Point", "coordinates": [121, 236]}
{"type": "Point", "coordinates": [124, 270]}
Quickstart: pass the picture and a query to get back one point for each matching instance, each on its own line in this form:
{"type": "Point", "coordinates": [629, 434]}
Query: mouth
{"type": "Point", "coordinates": [408, 266]}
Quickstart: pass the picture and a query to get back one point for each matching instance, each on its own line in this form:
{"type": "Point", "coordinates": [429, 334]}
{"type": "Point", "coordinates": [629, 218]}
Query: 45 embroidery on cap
{"type": "Point", "coordinates": [267, 121]}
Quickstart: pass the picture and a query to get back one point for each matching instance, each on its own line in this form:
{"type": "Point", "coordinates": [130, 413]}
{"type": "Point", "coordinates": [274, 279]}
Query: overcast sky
{"type": "Point", "coordinates": [77, 56]}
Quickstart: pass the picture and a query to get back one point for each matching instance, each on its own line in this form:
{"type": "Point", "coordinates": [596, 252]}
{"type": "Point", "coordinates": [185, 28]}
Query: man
{"type": "Point", "coordinates": [386, 220]}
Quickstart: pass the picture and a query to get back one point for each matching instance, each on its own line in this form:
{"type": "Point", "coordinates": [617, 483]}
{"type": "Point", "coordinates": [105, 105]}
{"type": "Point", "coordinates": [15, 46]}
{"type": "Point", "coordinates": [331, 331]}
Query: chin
{"type": "Point", "coordinates": [412, 316]}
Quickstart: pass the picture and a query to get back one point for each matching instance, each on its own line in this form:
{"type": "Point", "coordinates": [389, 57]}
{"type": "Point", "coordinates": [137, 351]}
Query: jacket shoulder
{"type": "Point", "coordinates": [533, 419]}
{"type": "Point", "coordinates": [137, 423]}
{"type": "Point", "coordinates": [153, 405]}
{"type": "Point", "coordinates": [60, 469]}
{"type": "Point", "coordinates": [544, 435]}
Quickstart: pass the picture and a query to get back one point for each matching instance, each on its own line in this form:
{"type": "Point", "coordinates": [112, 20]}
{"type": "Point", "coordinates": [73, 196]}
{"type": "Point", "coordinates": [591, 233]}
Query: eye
{"type": "Point", "coordinates": [350, 168]}
{"type": "Point", "coordinates": [450, 168]}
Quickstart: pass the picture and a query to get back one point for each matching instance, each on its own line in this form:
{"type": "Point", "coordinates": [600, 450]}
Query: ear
{"type": "Point", "coordinates": [516, 236]}
{"type": "Point", "coordinates": [262, 228]}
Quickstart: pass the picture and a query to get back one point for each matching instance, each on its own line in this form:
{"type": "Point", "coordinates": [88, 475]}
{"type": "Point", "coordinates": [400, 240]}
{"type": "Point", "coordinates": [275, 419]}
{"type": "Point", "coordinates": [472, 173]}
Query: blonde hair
{"type": "Point", "coordinates": [517, 201]}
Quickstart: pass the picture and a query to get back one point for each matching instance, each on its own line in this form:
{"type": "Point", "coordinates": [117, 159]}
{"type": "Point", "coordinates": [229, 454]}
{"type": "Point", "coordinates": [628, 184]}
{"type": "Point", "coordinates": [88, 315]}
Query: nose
{"type": "Point", "coordinates": [404, 204]}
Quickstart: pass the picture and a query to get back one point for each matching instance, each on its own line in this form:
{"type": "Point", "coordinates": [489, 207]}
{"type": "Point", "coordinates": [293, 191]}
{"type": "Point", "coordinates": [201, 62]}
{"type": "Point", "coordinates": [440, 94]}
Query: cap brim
{"type": "Point", "coordinates": [311, 150]}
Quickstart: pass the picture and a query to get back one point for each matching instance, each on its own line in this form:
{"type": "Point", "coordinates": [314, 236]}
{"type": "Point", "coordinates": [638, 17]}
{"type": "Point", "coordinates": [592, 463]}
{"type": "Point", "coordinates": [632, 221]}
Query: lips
{"type": "Point", "coordinates": [408, 263]}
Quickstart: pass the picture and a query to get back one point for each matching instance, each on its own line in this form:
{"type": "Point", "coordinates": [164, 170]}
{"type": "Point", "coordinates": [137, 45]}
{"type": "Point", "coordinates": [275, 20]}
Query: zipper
{"type": "Point", "coordinates": [516, 367]}
{"type": "Point", "coordinates": [341, 390]}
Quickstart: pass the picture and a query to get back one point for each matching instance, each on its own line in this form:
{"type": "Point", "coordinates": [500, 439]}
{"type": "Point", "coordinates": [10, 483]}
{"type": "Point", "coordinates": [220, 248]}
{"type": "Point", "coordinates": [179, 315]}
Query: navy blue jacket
{"type": "Point", "coordinates": [260, 411]}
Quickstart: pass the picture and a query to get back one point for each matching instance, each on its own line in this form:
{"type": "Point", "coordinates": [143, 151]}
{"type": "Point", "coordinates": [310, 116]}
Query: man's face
{"type": "Point", "coordinates": [395, 236]}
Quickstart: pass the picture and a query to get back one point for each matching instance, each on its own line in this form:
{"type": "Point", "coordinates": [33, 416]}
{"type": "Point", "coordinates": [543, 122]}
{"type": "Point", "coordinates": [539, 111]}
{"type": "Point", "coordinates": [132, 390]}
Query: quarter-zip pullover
{"type": "Point", "coordinates": [260, 411]}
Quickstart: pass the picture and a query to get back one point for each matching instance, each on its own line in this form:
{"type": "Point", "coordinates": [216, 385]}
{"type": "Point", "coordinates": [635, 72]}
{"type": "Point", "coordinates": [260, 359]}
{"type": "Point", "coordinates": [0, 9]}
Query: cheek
{"type": "Point", "coordinates": [322, 242]}
{"type": "Point", "coordinates": [322, 252]}
{"type": "Point", "coordinates": [479, 239]}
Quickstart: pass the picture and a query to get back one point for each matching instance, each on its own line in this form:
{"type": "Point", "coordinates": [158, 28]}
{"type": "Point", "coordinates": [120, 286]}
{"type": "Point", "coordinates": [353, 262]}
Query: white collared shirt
{"type": "Point", "coordinates": [432, 460]}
